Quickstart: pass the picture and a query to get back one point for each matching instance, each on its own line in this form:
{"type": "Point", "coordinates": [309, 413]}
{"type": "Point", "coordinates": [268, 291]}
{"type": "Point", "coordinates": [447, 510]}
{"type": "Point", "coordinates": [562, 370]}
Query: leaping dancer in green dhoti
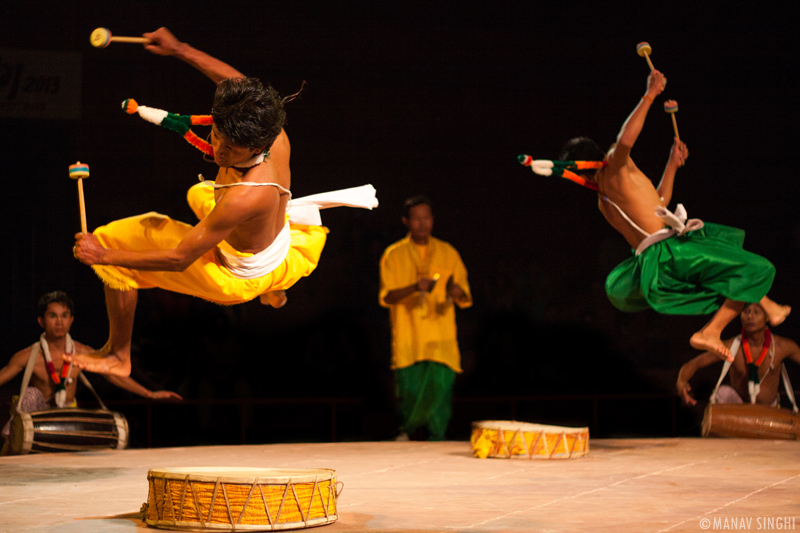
{"type": "Point", "coordinates": [679, 266]}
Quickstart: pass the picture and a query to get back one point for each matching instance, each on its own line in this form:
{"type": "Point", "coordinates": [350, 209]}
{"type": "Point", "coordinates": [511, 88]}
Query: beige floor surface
{"type": "Point", "coordinates": [656, 485]}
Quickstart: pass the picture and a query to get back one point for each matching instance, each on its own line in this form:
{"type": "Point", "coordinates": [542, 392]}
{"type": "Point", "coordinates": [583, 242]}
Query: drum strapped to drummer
{"type": "Point", "coordinates": [49, 386]}
{"type": "Point", "coordinates": [755, 374]}
{"type": "Point", "coordinates": [757, 369]}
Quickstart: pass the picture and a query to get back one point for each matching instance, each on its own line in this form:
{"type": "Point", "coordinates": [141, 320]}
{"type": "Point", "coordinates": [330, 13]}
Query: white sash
{"type": "Point", "coordinates": [259, 264]}
{"type": "Point", "coordinates": [677, 222]}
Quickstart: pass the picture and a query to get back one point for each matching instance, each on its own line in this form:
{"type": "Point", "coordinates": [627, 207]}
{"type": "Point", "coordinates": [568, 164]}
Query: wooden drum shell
{"type": "Point", "coordinates": [750, 421]}
{"type": "Point", "coordinates": [512, 439]}
{"type": "Point", "coordinates": [234, 499]}
{"type": "Point", "coordinates": [68, 430]}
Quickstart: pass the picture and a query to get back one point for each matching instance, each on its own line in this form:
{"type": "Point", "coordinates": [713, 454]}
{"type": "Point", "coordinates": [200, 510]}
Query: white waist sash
{"type": "Point", "coordinates": [305, 210]}
{"type": "Point", "coordinates": [259, 264]}
{"type": "Point", "coordinates": [677, 222]}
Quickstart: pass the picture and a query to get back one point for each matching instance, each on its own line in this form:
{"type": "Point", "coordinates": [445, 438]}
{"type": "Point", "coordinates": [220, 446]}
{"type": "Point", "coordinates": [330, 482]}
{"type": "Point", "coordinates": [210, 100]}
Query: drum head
{"type": "Point", "coordinates": [21, 433]}
{"type": "Point", "coordinates": [513, 425]}
{"type": "Point", "coordinates": [243, 474]}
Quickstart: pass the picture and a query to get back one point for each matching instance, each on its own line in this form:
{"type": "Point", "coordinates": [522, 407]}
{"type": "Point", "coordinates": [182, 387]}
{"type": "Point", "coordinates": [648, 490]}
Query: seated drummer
{"type": "Point", "coordinates": [53, 383]}
{"type": "Point", "coordinates": [767, 353]}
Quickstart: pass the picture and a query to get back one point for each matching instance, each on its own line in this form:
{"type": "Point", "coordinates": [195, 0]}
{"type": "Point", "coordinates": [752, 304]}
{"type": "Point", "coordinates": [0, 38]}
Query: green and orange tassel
{"type": "Point", "coordinates": [180, 124]}
{"type": "Point", "coordinates": [563, 169]}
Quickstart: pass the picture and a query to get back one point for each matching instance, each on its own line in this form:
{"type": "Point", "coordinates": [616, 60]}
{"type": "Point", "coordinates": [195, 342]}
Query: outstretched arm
{"type": "Point", "coordinates": [164, 43]}
{"type": "Point", "coordinates": [236, 206]}
{"type": "Point", "coordinates": [633, 125]}
{"type": "Point", "coordinates": [677, 157]}
{"type": "Point", "coordinates": [131, 385]}
{"type": "Point", "coordinates": [688, 370]}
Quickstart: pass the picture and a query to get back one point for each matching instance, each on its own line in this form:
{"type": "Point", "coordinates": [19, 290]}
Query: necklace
{"type": "Point", "coordinates": [752, 367]}
{"type": "Point", "coordinates": [62, 381]}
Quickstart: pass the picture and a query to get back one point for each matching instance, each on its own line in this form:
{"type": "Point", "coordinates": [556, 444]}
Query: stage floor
{"type": "Point", "coordinates": [621, 486]}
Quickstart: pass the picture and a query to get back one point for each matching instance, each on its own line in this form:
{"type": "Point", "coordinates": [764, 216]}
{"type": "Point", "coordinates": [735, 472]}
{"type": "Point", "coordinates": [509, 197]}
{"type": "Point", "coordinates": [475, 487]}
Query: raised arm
{"type": "Point", "coordinates": [164, 43]}
{"type": "Point", "coordinates": [633, 125]}
{"type": "Point", "coordinates": [688, 370]}
{"type": "Point", "coordinates": [677, 157]}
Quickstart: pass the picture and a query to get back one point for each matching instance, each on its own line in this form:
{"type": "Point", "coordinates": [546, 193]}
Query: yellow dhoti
{"type": "Point", "coordinates": [205, 278]}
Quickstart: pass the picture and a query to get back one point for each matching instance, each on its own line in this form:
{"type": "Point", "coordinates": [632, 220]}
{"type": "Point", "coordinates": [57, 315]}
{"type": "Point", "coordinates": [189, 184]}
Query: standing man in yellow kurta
{"type": "Point", "coordinates": [425, 356]}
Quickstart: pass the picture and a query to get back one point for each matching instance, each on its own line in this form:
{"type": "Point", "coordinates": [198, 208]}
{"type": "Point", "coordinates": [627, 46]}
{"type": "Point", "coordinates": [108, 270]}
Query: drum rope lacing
{"type": "Point", "coordinates": [501, 444]}
{"type": "Point", "coordinates": [295, 502]}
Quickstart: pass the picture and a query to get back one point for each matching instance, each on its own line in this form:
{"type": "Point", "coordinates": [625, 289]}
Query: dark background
{"type": "Point", "coordinates": [413, 97]}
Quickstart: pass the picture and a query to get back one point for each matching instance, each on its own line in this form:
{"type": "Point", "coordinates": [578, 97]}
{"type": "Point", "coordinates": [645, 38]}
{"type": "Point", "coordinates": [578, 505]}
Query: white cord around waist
{"type": "Point", "coordinates": [677, 224]}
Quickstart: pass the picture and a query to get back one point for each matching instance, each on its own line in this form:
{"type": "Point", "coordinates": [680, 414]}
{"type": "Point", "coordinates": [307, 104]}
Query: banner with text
{"type": "Point", "coordinates": [40, 85]}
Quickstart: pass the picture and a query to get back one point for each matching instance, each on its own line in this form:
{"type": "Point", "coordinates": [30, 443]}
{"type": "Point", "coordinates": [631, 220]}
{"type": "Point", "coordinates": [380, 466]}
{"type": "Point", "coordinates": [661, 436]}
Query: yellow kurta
{"type": "Point", "coordinates": [205, 278]}
{"type": "Point", "coordinates": [423, 325]}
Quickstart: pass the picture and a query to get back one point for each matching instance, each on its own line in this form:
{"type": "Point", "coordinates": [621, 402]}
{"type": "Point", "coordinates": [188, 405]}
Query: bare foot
{"type": "Point", "coordinates": [276, 299]}
{"type": "Point", "coordinates": [780, 313]}
{"type": "Point", "coordinates": [103, 361]}
{"type": "Point", "coordinates": [710, 343]}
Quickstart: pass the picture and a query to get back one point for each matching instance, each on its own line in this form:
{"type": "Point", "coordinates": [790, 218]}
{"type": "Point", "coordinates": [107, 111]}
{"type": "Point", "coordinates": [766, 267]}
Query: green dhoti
{"type": "Point", "coordinates": [425, 397]}
{"type": "Point", "coordinates": [691, 274]}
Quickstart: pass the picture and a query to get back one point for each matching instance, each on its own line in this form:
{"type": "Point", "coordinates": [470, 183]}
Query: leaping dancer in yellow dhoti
{"type": "Point", "coordinates": [252, 240]}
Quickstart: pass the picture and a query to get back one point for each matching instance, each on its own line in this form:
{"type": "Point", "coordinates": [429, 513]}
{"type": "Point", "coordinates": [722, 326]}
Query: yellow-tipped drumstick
{"type": "Point", "coordinates": [671, 107]}
{"type": "Point", "coordinates": [78, 171]}
{"type": "Point", "coordinates": [644, 50]}
{"type": "Point", "coordinates": [101, 38]}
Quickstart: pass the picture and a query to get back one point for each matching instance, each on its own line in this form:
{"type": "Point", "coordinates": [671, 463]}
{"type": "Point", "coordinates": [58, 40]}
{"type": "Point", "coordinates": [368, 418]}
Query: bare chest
{"type": "Point", "coordinates": [768, 370]}
{"type": "Point", "coordinates": [43, 379]}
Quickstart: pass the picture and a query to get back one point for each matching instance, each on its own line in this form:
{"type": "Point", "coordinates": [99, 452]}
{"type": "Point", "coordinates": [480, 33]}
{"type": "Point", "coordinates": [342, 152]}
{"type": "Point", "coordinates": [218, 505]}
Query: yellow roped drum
{"type": "Point", "coordinates": [240, 499]}
{"type": "Point", "coordinates": [512, 439]}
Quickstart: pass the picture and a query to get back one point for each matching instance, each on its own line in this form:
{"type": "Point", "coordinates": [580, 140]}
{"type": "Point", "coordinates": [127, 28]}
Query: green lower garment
{"type": "Point", "coordinates": [425, 397]}
{"type": "Point", "coordinates": [691, 274]}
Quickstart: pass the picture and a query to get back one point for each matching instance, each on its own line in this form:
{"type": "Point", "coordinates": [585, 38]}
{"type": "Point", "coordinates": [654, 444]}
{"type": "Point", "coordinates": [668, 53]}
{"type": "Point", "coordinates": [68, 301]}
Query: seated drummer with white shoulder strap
{"type": "Point", "coordinates": [52, 382]}
{"type": "Point", "coordinates": [757, 367]}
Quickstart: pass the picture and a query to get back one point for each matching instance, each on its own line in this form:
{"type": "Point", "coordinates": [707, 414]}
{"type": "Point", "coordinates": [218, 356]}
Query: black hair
{"type": "Point", "coordinates": [581, 149]}
{"type": "Point", "coordinates": [59, 297]}
{"type": "Point", "coordinates": [248, 113]}
{"type": "Point", "coordinates": [414, 201]}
